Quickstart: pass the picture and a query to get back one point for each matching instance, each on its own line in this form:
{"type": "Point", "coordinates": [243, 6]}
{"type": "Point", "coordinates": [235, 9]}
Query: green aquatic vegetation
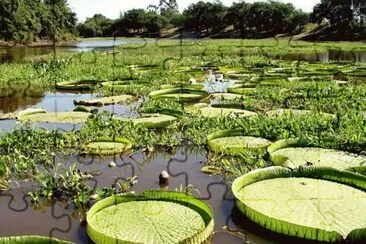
{"type": "Point", "coordinates": [184, 95]}
{"type": "Point", "coordinates": [271, 197]}
{"type": "Point", "coordinates": [162, 106]}
{"type": "Point", "coordinates": [4, 182]}
{"type": "Point", "coordinates": [295, 112]}
{"type": "Point", "coordinates": [31, 240]}
{"type": "Point", "coordinates": [60, 183]}
{"type": "Point", "coordinates": [174, 216]}
{"type": "Point", "coordinates": [242, 90]}
{"type": "Point", "coordinates": [105, 125]}
{"type": "Point", "coordinates": [58, 117]}
{"type": "Point", "coordinates": [108, 146]}
{"type": "Point", "coordinates": [227, 96]}
{"type": "Point", "coordinates": [234, 142]}
{"type": "Point", "coordinates": [119, 187]}
{"type": "Point", "coordinates": [81, 85]}
{"type": "Point", "coordinates": [294, 153]}
{"type": "Point", "coordinates": [182, 86]}
{"type": "Point", "coordinates": [25, 148]}
{"type": "Point", "coordinates": [19, 114]}
{"type": "Point", "coordinates": [103, 101]}
{"type": "Point", "coordinates": [211, 170]}
{"type": "Point", "coordinates": [152, 121]}
{"type": "Point", "coordinates": [82, 108]}
{"type": "Point", "coordinates": [224, 110]}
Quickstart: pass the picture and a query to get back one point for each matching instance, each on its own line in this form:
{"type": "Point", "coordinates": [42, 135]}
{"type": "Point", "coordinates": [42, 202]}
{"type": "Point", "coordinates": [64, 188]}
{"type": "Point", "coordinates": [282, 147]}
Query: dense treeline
{"type": "Point", "coordinates": [261, 18]}
{"type": "Point", "coordinates": [337, 19]}
{"type": "Point", "coordinates": [345, 18]}
{"type": "Point", "coordinates": [24, 21]}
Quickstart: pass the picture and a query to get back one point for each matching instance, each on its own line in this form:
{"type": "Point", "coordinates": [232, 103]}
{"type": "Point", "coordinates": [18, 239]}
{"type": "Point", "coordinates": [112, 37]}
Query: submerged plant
{"type": "Point", "coordinates": [63, 184]}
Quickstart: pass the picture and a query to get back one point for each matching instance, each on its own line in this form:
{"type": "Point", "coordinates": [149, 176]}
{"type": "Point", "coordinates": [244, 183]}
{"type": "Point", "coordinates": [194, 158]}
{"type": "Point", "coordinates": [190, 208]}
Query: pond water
{"type": "Point", "coordinates": [62, 221]}
{"type": "Point", "coordinates": [327, 56]}
{"type": "Point", "coordinates": [16, 54]}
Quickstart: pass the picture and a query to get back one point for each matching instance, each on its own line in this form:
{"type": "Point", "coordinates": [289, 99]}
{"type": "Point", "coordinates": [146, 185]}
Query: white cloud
{"type": "Point", "coordinates": [112, 8]}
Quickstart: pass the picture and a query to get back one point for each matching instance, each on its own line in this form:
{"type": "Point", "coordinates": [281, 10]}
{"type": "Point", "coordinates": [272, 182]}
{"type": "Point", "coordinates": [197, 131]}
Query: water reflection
{"type": "Point", "coordinates": [327, 56]}
{"type": "Point", "coordinates": [12, 100]}
{"type": "Point", "coordinates": [17, 54]}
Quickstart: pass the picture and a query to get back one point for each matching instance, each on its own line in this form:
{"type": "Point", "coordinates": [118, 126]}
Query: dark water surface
{"type": "Point", "coordinates": [60, 220]}
{"type": "Point", "coordinates": [19, 217]}
{"type": "Point", "coordinates": [328, 56]}
{"type": "Point", "coordinates": [17, 54]}
{"type": "Point", "coordinates": [54, 102]}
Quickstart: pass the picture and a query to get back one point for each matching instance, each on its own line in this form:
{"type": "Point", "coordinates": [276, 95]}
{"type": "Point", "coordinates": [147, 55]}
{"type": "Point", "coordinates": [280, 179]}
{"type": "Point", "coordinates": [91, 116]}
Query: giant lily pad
{"type": "Point", "coordinates": [242, 89]}
{"type": "Point", "coordinates": [224, 110]}
{"type": "Point", "coordinates": [25, 112]}
{"type": "Point", "coordinates": [310, 78]}
{"type": "Point", "coordinates": [235, 142]}
{"type": "Point", "coordinates": [123, 84]}
{"type": "Point", "coordinates": [86, 85]}
{"type": "Point", "coordinates": [153, 121]}
{"type": "Point", "coordinates": [106, 100]}
{"type": "Point", "coordinates": [181, 94]}
{"type": "Point", "coordinates": [59, 117]}
{"type": "Point", "coordinates": [182, 86]}
{"type": "Point", "coordinates": [295, 152]}
{"type": "Point", "coordinates": [31, 240]}
{"type": "Point", "coordinates": [226, 96]}
{"type": "Point", "coordinates": [108, 146]}
{"type": "Point", "coordinates": [321, 204]}
{"type": "Point", "coordinates": [151, 217]}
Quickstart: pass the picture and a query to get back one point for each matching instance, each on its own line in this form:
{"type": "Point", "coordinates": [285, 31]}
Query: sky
{"type": "Point", "coordinates": [112, 8]}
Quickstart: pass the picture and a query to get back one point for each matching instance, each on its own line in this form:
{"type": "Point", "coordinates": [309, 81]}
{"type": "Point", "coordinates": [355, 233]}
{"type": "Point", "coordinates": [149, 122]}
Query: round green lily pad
{"type": "Point", "coordinates": [86, 85]}
{"type": "Point", "coordinates": [321, 204]}
{"type": "Point", "coordinates": [108, 146]}
{"type": "Point", "coordinates": [243, 90]}
{"type": "Point", "coordinates": [181, 94]}
{"type": "Point", "coordinates": [151, 217]}
{"type": "Point", "coordinates": [153, 121]}
{"type": "Point", "coordinates": [226, 96]}
{"type": "Point", "coordinates": [294, 153]}
{"type": "Point", "coordinates": [103, 101]}
{"type": "Point", "coordinates": [182, 86]}
{"type": "Point", "coordinates": [123, 84]}
{"type": "Point", "coordinates": [25, 112]}
{"type": "Point", "coordinates": [224, 110]}
{"type": "Point", "coordinates": [235, 142]}
{"type": "Point", "coordinates": [31, 240]}
{"type": "Point", "coordinates": [59, 117]}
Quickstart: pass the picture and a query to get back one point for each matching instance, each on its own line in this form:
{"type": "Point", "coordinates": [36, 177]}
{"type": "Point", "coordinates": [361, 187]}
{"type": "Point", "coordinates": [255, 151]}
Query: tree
{"type": "Point", "coordinates": [237, 15]}
{"type": "Point", "coordinates": [340, 13]}
{"type": "Point", "coordinates": [155, 23]}
{"type": "Point", "coordinates": [205, 16]}
{"type": "Point", "coordinates": [23, 20]}
{"type": "Point", "coordinates": [274, 17]}
{"type": "Point", "coordinates": [168, 8]}
{"type": "Point", "coordinates": [98, 25]}
{"type": "Point", "coordinates": [296, 21]}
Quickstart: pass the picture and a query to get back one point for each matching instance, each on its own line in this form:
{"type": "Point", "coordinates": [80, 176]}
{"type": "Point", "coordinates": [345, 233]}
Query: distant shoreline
{"type": "Point", "coordinates": [5, 44]}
